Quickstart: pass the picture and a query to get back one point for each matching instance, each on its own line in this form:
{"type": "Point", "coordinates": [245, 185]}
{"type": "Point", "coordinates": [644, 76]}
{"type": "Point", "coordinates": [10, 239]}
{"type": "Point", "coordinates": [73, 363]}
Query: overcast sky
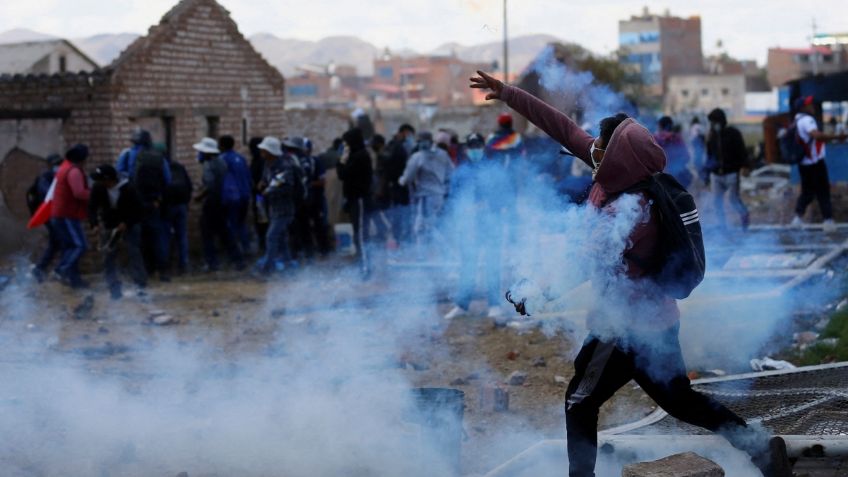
{"type": "Point", "coordinates": [747, 27]}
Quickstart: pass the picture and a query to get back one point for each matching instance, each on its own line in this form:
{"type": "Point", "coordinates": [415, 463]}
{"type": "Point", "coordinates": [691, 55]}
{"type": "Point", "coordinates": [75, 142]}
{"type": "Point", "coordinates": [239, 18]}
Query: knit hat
{"type": "Point", "coordinates": [77, 154]}
{"type": "Point", "coordinates": [505, 120]}
{"type": "Point", "coordinates": [53, 160]}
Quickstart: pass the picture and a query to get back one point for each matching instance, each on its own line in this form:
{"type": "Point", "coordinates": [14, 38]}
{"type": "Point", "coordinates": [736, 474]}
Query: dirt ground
{"type": "Point", "coordinates": [231, 313]}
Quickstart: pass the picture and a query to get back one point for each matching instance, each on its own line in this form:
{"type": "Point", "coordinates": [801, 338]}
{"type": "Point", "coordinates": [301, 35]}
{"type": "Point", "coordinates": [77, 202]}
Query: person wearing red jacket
{"type": "Point", "coordinates": [70, 209]}
{"type": "Point", "coordinates": [633, 329]}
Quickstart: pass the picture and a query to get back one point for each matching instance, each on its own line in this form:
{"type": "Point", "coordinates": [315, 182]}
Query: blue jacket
{"type": "Point", "coordinates": [126, 164]}
{"type": "Point", "coordinates": [238, 167]}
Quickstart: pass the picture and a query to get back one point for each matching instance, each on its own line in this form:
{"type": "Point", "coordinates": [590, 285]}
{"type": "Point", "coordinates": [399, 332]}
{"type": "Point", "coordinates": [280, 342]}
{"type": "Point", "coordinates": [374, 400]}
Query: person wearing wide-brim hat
{"type": "Point", "coordinates": [213, 223]}
{"type": "Point", "coordinates": [277, 188]}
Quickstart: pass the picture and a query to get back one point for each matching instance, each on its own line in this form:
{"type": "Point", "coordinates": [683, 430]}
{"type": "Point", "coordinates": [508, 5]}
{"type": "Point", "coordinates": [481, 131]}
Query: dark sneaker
{"type": "Point", "coordinates": [39, 275]}
{"type": "Point", "coordinates": [775, 462]}
{"type": "Point", "coordinates": [115, 292]}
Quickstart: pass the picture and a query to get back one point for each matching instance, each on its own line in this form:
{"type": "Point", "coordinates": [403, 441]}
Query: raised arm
{"type": "Point", "coordinates": [547, 118]}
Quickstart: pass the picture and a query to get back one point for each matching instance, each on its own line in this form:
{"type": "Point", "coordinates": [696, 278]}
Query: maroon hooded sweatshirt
{"type": "Point", "coordinates": [632, 156]}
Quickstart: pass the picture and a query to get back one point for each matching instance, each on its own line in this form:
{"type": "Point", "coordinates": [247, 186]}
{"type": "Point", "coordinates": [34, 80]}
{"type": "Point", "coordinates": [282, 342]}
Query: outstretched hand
{"type": "Point", "coordinates": [484, 81]}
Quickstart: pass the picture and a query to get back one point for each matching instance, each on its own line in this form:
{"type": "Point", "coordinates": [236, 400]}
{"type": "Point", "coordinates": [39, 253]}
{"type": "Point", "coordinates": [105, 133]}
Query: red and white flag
{"type": "Point", "coordinates": [45, 210]}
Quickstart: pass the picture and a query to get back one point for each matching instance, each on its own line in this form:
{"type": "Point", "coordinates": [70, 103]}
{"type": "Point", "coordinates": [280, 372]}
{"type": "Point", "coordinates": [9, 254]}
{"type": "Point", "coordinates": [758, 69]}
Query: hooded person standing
{"type": "Point", "coordinates": [644, 345]}
{"type": "Point", "coordinates": [675, 151]}
{"type": "Point", "coordinates": [213, 219]}
{"type": "Point", "coordinates": [726, 157]}
{"type": "Point", "coordinates": [115, 213]}
{"type": "Point", "coordinates": [356, 173]}
{"type": "Point", "coordinates": [70, 208]}
{"type": "Point", "coordinates": [427, 174]}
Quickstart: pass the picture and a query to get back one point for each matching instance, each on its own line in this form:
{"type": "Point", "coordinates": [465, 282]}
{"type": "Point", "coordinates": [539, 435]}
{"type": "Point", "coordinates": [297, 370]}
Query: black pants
{"type": "Point", "coordinates": [815, 184]}
{"type": "Point", "coordinates": [656, 363]}
{"type": "Point", "coordinates": [213, 224]}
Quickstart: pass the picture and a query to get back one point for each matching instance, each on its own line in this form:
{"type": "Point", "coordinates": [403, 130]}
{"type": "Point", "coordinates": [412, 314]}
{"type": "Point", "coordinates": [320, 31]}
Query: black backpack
{"type": "Point", "coordinates": [149, 175]}
{"type": "Point", "coordinates": [178, 192]}
{"type": "Point", "coordinates": [683, 263]}
{"type": "Point", "coordinates": [792, 148]}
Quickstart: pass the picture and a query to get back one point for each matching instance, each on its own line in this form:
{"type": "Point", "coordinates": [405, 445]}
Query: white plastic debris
{"type": "Point", "coordinates": [768, 364]}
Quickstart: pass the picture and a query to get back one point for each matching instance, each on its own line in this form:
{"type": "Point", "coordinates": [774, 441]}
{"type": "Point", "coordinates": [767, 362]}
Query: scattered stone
{"type": "Point", "coordinates": [805, 337]}
{"type": "Point", "coordinates": [108, 350]}
{"type": "Point", "coordinates": [473, 376]}
{"type": "Point", "coordinates": [278, 313]}
{"type": "Point", "coordinates": [513, 355]}
{"type": "Point", "coordinates": [83, 310]}
{"type": "Point", "coordinates": [161, 318]}
{"type": "Point", "coordinates": [31, 327]}
{"type": "Point", "coordinates": [540, 362]}
{"type": "Point", "coordinates": [830, 342]}
{"type": "Point", "coordinates": [182, 474]}
{"type": "Point", "coordinates": [216, 313]}
{"type": "Point", "coordinates": [459, 382]}
{"type": "Point", "coordinates": [517, 378]}
{"type": "Point", "coordinates": [493, 397]}
{"type": "Point", "coordinates": [679, 465]}
{"type": "Point", "coordinates": [103, 330]}
{"type": "Point", "coordinates": [561, 380]}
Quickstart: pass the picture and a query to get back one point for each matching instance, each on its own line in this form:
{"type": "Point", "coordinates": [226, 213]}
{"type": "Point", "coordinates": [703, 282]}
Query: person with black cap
{"type": "Point", "coordinates": [70, 206]}
{"type": "Point", "coordinates": [36, 195]}
{"type": "Point", "coordinates": [115, 213]}
{"type": "Point", "coordinates": [355, 172]}
{"type": "Point", "coordinates": [815, 183]}
{"type": "Point", "coordinates": [726, 157]}
{"type": "Point", "coordinates": [427, 174]}
{"type": "Point", "coordinates": [477, 201]}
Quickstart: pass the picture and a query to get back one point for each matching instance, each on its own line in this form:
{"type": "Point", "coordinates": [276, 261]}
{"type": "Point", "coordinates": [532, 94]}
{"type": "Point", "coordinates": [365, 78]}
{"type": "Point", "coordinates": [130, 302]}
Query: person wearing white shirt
{"type": "Point", "coordinates": [815, 183]}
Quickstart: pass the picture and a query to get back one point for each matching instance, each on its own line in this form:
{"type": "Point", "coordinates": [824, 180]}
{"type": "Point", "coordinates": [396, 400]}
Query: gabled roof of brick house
{"type": "Point", "coordinates": [19, 58]}
{"type": "Point", "coordinates": [171, 22]}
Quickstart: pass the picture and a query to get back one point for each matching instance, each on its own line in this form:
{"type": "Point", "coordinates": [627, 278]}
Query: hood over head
{"type": "Point", "coordinates": [632, 156]}
{"type": "Point", "coordinates": [718, 116]}
{"type": "Point", "coordinates": [354, 139]}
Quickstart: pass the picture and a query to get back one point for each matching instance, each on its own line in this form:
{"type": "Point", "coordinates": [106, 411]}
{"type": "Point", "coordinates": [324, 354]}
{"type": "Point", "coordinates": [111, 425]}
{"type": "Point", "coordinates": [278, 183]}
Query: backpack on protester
{"type": "Point", "coordinates": [792, 147]}
{"type": "Point", "coordinates": [683, 263]}
{"type": "Point", "coordinates": [178, 190]}
{"type": "Point", "coordinates": [149, 177]}
{"type": "Point", "coordinates": [37, 192]}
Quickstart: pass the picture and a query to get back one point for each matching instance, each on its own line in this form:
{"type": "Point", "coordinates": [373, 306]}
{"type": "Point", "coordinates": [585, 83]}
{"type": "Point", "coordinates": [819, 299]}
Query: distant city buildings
{"type": "Point", "coordinates": [827, 54]}
{"type": "Point", "coordinates": [399, 81]}
{"type": "Point", "coordinates": [660, 46]}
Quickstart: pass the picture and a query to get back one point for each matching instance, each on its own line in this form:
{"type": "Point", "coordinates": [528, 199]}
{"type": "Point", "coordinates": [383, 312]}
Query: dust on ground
{"type": "Point", "coordinates": [231, 314]}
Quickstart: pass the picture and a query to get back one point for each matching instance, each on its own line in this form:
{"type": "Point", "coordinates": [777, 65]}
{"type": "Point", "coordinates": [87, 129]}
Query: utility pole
{"type": "Point", "coordinates": [814, 48]}
{"type": "Point", "coordinates": [505, 45]}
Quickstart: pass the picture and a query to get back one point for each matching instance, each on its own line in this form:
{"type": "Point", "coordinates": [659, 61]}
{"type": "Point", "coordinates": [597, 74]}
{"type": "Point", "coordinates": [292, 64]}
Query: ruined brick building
{"type": "Point", "coordinates": [194, 74]}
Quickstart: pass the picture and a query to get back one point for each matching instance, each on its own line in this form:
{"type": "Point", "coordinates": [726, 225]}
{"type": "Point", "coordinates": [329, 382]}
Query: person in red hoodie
{"type": "Point", "coordinates": [634, 328]}
{"type": "Point", "coordinates": [70, 209]}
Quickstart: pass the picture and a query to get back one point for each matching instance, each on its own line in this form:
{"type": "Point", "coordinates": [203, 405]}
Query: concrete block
{"type": "Point", "coordinates": [678, 465]}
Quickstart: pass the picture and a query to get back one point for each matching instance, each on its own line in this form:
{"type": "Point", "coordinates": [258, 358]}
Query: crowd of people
{"type": "Point", "coordinates": [274, 206]}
